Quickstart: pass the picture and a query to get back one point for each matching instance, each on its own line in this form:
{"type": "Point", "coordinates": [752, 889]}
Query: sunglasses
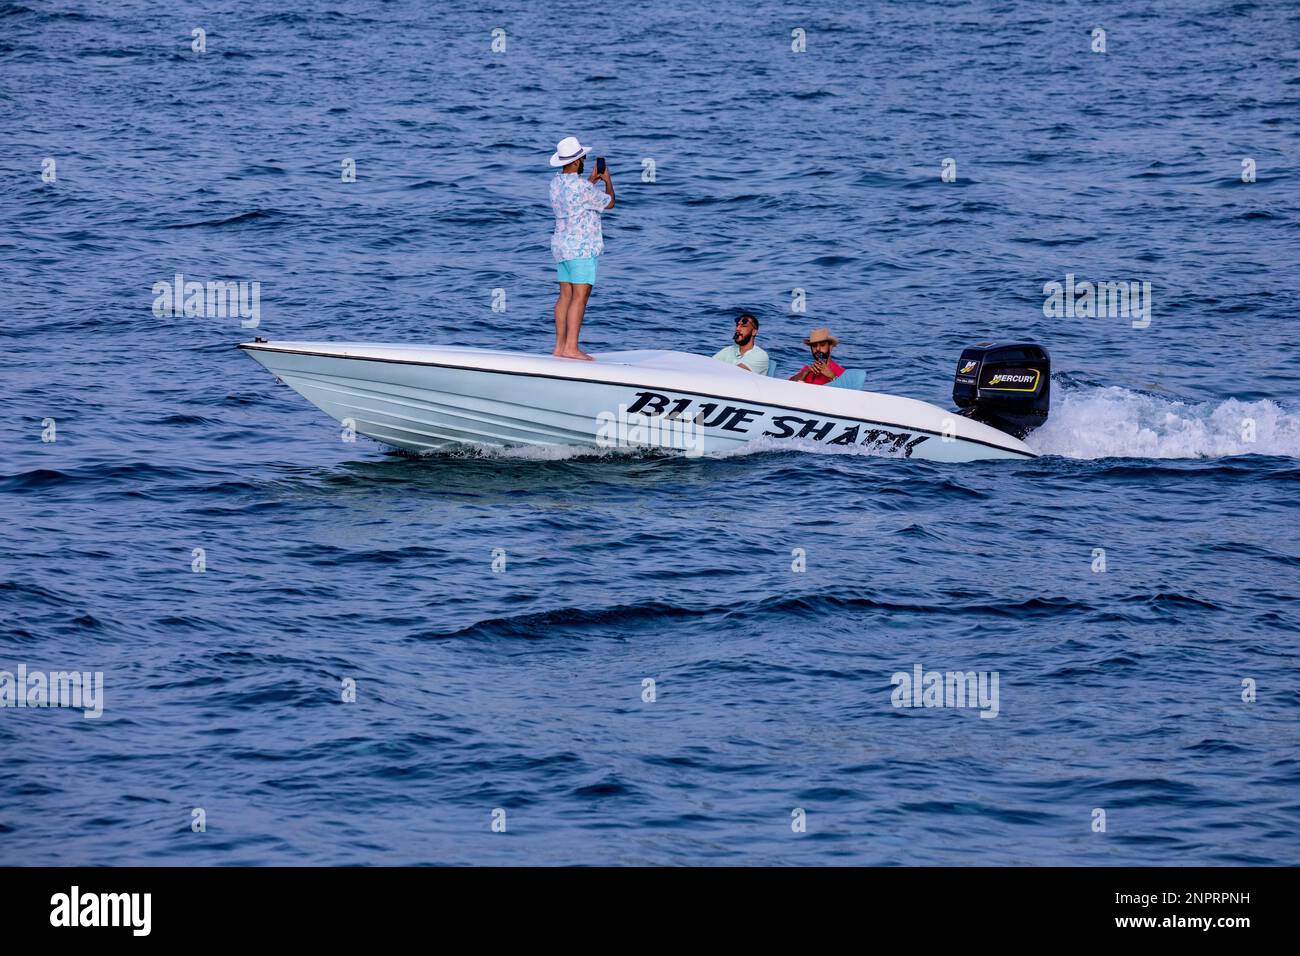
{"type": "Point", "coordinates": [744, 321]}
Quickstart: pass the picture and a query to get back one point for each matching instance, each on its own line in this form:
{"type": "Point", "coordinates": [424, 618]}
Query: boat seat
{"type": "Point", "coordinates": [771, 368]}
{"type": "Point", "coordinates": [852, 378]}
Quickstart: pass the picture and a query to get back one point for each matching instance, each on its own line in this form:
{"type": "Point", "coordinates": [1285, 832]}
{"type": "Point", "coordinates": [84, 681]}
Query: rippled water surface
{"type": "Point", "coordinates": [523, 689]}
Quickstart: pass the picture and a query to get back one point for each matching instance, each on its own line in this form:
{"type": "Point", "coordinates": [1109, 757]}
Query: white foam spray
{"type": "Point", "coordinates": [1089, 421]}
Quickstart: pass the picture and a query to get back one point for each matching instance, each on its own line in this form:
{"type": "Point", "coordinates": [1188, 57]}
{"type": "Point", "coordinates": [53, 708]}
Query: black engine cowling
{"type": "Point", "coordinates": [1006, 386]}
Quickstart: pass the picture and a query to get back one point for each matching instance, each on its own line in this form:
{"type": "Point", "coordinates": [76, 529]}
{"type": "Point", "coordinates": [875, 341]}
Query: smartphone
{"type": "Point", "coordinates": [600, 165]}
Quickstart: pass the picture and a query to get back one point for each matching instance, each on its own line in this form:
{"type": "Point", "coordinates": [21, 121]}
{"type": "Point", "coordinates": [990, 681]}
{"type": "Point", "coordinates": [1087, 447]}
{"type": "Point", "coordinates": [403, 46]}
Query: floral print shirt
{"type": "Point", "coordinates": [577, 204]}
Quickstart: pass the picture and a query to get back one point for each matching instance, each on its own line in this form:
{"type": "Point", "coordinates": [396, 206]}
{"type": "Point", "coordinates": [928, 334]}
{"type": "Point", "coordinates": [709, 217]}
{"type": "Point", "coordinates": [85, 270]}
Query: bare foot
{"type": "Point", "coordinates": [576, 354]}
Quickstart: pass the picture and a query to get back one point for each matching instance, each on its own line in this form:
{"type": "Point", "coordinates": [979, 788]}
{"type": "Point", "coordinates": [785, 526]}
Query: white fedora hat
{"type": "Point", "coordinates": [567, 150]}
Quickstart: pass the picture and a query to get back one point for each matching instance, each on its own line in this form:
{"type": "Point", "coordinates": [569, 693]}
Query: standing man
{"type": "Point", "coordinates": [577, 242]}
{"type": "Point", "coordinates": [823, 369]}
{"type": "Point", "coordinates": [745, 353]}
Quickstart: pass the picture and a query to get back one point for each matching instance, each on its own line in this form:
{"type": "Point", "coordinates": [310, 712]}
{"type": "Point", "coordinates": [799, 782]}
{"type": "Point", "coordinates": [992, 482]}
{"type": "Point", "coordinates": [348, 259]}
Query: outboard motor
{"type": "Point", "coordinates": [1006, 386]}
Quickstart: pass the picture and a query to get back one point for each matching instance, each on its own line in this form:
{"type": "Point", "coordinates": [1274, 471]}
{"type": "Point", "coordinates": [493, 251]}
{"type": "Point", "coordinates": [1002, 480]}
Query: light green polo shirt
{"type": "Point", "coordinates": [755, 358]}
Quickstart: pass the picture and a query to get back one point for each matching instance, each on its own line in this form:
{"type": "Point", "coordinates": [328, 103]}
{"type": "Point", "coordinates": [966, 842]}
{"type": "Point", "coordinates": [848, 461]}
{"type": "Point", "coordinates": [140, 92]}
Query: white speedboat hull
{"type": "Point", "coordinates": [429, 398]}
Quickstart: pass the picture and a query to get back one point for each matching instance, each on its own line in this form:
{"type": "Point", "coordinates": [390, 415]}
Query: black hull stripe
{"type": "Point", "coordinates": [660, 388]}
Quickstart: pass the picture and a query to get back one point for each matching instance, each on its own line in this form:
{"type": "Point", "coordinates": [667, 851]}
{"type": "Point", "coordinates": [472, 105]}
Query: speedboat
{"type": "Point", "coordinates": [429, 398]}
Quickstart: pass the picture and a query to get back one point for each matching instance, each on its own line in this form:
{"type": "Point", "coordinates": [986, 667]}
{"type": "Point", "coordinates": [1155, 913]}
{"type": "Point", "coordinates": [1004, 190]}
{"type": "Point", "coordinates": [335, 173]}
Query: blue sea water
{"type": "Point", "coordinates": [523, 689]}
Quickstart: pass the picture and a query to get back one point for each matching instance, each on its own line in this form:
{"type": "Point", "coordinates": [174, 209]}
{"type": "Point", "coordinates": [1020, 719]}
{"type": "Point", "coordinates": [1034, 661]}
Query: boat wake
{"type": "Point", "coordinates": [541, 452]}
{"type": "Point", "coordinates": [1092, 421]}
{"type": "Point", "coordinates": [758, 446]}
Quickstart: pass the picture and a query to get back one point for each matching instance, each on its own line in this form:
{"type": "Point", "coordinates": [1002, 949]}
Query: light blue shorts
{"type": "Point", "coordinates": [578, 271]}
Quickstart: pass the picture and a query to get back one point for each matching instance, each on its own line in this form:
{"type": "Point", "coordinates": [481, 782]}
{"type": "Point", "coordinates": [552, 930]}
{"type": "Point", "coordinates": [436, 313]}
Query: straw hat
{"type": "Point", "coordinates": [821, 335]}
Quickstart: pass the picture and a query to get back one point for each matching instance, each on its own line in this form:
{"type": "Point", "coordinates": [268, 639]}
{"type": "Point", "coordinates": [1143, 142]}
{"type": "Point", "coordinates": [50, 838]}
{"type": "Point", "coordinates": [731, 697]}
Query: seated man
{"type": "Point", "coordinates": [745, 353]}
{"type": "Point", "coordinates": [824, 369]}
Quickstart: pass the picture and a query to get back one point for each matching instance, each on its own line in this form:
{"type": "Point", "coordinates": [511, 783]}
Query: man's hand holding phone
{"type": "Point", "coordinates": [601, 172]}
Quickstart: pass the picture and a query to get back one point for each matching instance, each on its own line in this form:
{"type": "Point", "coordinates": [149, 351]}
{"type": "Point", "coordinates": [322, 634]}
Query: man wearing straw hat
{"type": "Point", "coordinates": [823, 369]}
{"type": "Point", "coordinates": [577, 242]}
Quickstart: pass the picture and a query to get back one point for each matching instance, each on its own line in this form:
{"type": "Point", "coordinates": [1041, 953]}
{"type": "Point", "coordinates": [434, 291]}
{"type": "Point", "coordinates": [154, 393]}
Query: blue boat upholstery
{"type": "Point", "coordinates": [852, 378]}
